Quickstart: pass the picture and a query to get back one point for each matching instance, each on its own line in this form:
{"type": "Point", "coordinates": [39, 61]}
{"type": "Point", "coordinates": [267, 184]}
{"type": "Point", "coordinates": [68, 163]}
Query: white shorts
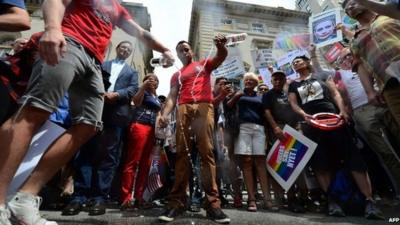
{"type": "Point", "coordinates": [251, 140]}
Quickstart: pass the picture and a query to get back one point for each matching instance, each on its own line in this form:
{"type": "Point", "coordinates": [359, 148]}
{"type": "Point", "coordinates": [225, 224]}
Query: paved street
{"type": "Point", "coordinates": [144, 217]}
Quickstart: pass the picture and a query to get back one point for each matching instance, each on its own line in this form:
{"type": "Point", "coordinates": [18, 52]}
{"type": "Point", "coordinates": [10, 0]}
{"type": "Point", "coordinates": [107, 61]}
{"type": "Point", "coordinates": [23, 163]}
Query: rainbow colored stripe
{"type": "Point", "coordinates": [292, 42]}
{"type": "Point", "coordinates": [287, 156]}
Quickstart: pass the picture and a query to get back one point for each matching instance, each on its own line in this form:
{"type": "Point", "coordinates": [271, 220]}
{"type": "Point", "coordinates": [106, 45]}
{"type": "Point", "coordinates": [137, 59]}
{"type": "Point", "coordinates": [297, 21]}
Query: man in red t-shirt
{"type": "Point", "coordinates": [195, 117]}
{"type": "Point", "coordinates": [71, 49]}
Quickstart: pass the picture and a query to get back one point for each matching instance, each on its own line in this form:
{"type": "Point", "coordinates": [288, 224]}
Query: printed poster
{"type": "Point", "coordinates": [323, 28]}
{"type": "Point", "coordinates": [262, 58]}
{"type": "Point", "coordinates": [232, 67]}
{"type": "Point", "coordinates": [286, 160]}
{"type": "Point", "coordinates": [334, 52]}
{"type": "Point", "coordinates": [285, 63]}
{"type": "Point", "coordinates": [266, 76]}
{"type": "Point", "coordinates": [46, 135]}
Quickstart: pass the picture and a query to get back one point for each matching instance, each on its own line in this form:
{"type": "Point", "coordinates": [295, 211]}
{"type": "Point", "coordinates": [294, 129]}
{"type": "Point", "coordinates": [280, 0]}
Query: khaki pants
{"type": "Point", "coordinates": [194, 120]}
{"type": "Point", "coordinates": [370, 119]}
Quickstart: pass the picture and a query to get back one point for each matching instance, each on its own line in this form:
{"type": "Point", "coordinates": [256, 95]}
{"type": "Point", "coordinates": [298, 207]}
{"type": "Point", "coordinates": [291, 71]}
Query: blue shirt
{"type": "Point", "coordinates": [17, 3]}
{"type": "Point", "coordinates": [147, 112]}
{"type": "Point", "coordinates": [251, 109]}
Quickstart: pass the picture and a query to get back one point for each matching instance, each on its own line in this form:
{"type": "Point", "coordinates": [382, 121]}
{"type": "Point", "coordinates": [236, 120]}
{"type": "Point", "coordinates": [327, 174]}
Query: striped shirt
{"type": "Point", "coordinates": [377, 46]}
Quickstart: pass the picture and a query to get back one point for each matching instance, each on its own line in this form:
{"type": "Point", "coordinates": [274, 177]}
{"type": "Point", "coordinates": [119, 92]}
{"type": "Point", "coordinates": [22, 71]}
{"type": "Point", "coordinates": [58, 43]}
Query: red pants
{"type": "Point", "coordinates": [139, 148]}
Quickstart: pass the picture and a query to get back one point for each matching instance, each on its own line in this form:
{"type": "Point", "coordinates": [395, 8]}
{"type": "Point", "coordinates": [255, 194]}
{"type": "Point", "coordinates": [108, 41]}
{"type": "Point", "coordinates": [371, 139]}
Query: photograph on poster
{"type": "Point", "coordinates": [322, 28]}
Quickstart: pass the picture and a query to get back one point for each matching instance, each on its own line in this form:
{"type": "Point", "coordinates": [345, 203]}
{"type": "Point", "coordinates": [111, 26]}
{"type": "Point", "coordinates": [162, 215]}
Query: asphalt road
{"type": "Point", "coordinates": [261, 217]}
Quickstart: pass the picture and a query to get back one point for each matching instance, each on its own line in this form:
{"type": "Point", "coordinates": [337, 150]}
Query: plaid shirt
{"type": "Point", "coordinates": [377, 46]}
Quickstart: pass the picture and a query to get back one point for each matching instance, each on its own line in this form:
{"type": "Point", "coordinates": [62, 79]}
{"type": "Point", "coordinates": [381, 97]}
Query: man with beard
{"type": "Point", "coordinates": [376, 47]}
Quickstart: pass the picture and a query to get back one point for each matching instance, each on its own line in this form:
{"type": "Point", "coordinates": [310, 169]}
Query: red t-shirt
{"type": "Point", "coordinates": [91, 23]}
{"type": "Point", "coordinates": [192, 89]}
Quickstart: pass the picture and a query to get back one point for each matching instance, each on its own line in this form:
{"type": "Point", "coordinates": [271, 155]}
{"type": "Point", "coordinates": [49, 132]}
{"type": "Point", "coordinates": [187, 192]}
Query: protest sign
{"type": "Point", "coordinates": [287, 159]}
{"type": "Point", "coordinates": [46, 135]}
{"type": "Point", "coordinates": [322, 28]}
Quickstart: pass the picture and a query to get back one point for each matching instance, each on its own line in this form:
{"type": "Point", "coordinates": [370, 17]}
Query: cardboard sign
{"type": "Point", "coordinates": [285, 63]}
{"type": "Point", "coordinates": [46, 135]}
{"type": "Point", "coordinates": [287, 159]}
{"type": "Point", "coordinates": [262, 58]}
{"type": "Point", "coordinates": [232, 67]}
{"type": "Point", "coordinates": [332, 54]}
{"type": "Point", "coordinates": [322, 28]}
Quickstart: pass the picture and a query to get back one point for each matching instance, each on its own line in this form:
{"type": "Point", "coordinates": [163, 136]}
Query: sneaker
{"type": "Point", "coordinates": [170, 214]}
{"type": "Point", "coordinates": [335, 210]}
{"type": "Point", "coordinates": [372, 212]}
{"type": "Point", "coordinates": [216, 215]}
{"type": "Point", "coordinates": [194, 208]}
{"type": "Point", "coordinates": [4, 216]}
{"type": "Point", "coordinates": [24, 209]}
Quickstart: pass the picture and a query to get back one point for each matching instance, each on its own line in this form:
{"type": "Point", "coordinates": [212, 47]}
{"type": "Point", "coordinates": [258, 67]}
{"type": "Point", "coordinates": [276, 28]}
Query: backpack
{"type": "Point", "coordinates": [346, 193]}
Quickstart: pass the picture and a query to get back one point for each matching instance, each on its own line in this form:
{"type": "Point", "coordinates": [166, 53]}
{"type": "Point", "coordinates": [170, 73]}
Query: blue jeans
{"type": "Point", "coordinates": [96, 163]}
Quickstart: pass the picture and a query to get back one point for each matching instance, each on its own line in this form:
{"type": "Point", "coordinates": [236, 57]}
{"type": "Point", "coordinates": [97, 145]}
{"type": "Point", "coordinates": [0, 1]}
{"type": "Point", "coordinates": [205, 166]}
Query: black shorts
{"type": "Point", "coordinates": [335, 149]}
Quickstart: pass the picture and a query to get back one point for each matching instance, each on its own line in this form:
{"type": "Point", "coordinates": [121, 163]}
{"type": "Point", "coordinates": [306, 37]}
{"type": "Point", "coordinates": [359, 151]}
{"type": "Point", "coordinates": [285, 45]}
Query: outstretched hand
{"type": "Point", "coordinates": [169, 59]}
{"type": "Point", "coordinates": [312, 49]}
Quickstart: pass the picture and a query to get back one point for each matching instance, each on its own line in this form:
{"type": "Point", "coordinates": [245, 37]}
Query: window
{"type": "Point", "coordinates": [226, 21]}
{"type": "Point", "coordinates": [257, 27]}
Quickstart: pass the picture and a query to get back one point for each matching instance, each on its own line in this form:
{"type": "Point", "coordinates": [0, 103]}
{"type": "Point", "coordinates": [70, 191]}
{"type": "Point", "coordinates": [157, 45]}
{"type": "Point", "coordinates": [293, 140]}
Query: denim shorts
{"type": "Point", "coordinates": [79, 74]}
{"type": "Point", "coordinates": [251, 140]}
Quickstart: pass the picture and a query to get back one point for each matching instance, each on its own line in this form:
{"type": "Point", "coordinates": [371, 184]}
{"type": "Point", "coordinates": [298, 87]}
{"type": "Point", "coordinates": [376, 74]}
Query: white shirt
{"type": "Point", "coordinates": [357, 94]}
{"type": "Point", "coordinates": [116, 67]}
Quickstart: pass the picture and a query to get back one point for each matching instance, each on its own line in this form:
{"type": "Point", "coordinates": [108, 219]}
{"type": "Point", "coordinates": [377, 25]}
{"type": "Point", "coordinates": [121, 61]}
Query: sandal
{"type": "Point", "coordinates": [271, 205]}
{"type": "Point", "coordinates": [251, 206]}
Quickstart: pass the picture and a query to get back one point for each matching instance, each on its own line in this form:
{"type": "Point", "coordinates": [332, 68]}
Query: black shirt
{"type": "Point", "coordinates": [313, 96]}
{"type": "Point", "coordinates": [277, 102]}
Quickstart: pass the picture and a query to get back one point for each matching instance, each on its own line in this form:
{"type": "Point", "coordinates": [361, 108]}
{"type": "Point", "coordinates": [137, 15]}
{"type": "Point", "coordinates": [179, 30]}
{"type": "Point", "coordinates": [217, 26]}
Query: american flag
{"type": "Point", "coordinates": [154, 180]}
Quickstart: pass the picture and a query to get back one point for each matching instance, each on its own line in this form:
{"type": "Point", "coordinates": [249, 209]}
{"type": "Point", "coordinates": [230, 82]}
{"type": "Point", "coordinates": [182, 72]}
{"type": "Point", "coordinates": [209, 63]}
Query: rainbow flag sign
{"type": "Point", "coordinates": [286, 159]}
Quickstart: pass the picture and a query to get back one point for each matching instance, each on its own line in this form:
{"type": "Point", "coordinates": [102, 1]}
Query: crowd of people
{"type": "Point", "coordinates": [215, 136]}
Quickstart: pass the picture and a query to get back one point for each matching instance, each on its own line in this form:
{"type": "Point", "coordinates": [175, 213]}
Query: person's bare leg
{"type": "Point", "coordinates": [363, 182]}
{"type": "Point", "coordinates": [247, 168]}
{"type": "Point", "coordinates": [15, 137]}
{"type": "Point", "coordinates": [262, 175]}
{"type": "Point", "coordinates": [59, 153]}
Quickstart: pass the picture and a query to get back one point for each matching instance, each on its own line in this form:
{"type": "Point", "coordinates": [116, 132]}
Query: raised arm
{"type": "Point", "coordinates": [14, 19]}
{"type": "Point", "coordinates": [52, 45]}
{"type": "Point", "coordinates": [382, 8]}
{"type": "Point", "coordinates": [318, 70]}
{"type": "Point", "coordinates": [139, 96]}
{"type": "Point", "coordinates": [222, 51]}
{"type": "Point", "coordinates": [134, 29]}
